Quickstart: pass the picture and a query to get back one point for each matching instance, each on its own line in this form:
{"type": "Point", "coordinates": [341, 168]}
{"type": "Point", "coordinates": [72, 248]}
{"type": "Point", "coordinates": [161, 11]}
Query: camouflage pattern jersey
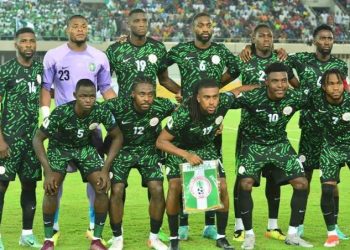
{"type": "Point", "coordinates": [129, 61]}
{"type": "Point", "coordinates": [19, 89]}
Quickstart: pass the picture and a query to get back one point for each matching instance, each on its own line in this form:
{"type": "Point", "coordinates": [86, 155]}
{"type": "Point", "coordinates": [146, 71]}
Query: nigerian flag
{"type": "Point", "coordinates": [200, 187]}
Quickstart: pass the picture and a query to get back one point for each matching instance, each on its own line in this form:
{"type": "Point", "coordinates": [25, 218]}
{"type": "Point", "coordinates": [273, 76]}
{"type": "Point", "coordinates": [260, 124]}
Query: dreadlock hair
{"type": "Point", "coordinates": [193, 105]}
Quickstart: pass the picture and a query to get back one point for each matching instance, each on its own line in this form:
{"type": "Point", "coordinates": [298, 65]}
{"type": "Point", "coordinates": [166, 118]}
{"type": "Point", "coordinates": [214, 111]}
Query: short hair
{"type": "Point", "coordinates": [322, 27]}
{"type": "Point", "coordinates": [141, 80]}
{"type": "Point", "coordinates": [328, 72]}
{"type": "Point", "coordinates": [24, 30]}
{"type": "Point", "coordinates": [276, 67]}
{"type": "Point", "coordinates": [201, 14]}
{"type": "Point", "coordinates": [192, 102]}
{"type": "Point", "coordinates": [260, 26]}
{"type": "Point", "coordinates": [136, 11]}
{"type": "Point", "coordinates": [75, 17]}
{"type": "Point", "coordinates": [84, 83]}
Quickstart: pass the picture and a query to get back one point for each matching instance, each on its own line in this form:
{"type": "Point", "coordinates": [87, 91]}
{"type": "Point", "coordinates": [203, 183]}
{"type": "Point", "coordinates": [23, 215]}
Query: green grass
{"type": "Point", "coordinates": [74, 212]}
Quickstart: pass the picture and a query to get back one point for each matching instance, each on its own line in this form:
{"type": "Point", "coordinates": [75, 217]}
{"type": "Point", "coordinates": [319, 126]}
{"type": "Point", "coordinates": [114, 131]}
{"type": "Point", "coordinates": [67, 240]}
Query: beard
{"type": "Point", "coordinates": [202, 39]}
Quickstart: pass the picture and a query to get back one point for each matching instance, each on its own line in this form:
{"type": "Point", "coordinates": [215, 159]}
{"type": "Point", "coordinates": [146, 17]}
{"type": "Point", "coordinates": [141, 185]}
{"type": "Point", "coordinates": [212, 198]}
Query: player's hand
{"type": "Point", "coordinates": [281, 54]}
{"type": "Point", "coordinates": [122, 39]}
{"type": "Point", "coordinates": [103, 182]}
{"type": "Point", "coordinates": [4, 150]}
{"type": "Point", "coordinates": [219, 130]}
{"type": "Point", "coordinates": [178, 97]}
{"type": "Point", "coordinates": [246, 53]}
{"type": "Point", "coordinates": [50, 184]}
{"type": "Point", "coordinates": [193, 159]}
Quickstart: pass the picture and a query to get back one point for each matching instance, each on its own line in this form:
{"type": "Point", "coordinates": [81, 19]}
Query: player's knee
{"type": "Point", "coordinates": [118, 190]}
{"type": "Point", "coordinates": [28, 186]}
{"type": "Point", "coordinates": [223, 185]}
{"type": "Point", "coordinates": [328, 189]}
{"type": "Point", "coordinates": [156, 189]}
{"type": "Point", "coordinates": [175, 185]}
{"type": "Point", "coordinates": [300, 183]}
{"type": "Point", "coordinates": [246, 184]}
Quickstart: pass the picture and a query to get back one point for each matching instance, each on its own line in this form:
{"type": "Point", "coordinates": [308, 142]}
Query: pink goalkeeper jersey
{"type": "Point", "coordinates": [63, 68]}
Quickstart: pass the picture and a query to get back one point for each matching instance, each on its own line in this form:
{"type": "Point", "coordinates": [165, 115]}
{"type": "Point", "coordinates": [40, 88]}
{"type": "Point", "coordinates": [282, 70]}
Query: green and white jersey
{"type": "Point", "coordinates": [19, 89]}
{"type": "Point", "coordinates": [334, 119]}
{"type": "Point", "coordinates": [266, 120]}
{"type": "Point", "coordinates": [195, 64]}
{"type": "Point", "coordinates": [129, 61]}
{"type": "Point", "coordinates": [310, 71]}
{"type": "Point", "coordinates": [193, 135]}
{"type": "Point", "coordinates": [65, 129]}
{"type": "Point", "coordinates": [139, 129]}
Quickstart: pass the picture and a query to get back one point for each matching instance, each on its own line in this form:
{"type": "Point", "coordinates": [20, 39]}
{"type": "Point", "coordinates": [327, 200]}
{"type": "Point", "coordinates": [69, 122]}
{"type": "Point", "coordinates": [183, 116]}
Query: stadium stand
{"type": "Point", "coordinates": [234, 20]}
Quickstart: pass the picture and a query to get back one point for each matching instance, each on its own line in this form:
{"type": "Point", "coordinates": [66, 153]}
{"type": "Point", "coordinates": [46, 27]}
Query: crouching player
{"type": "Point", "coordinates": [69, 129]}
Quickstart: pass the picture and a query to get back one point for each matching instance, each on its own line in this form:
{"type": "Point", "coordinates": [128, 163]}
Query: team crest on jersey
{"type": "Point", "coordinates": [287, 110]}
{"type": "Point", "coordinates": [219, 120]}
{"type": "Point", "coordinates": [241, 169]}
{"type": "Point", "coordinates": [154, 121]}
{"type": "Point", "coordinates": [38, 78]}
{"type": "Point", "coordinates": [200, 187]}
{"type": "Point", "coordinates": [302, 158]}
{"type": "Point", "coordinates": [346, 116]}
{"type": "Point", "coordinates": [92, 67]}
{"type": "Point", "coordinates": [2, 170]}
{"type": "Point", "coordinates": [93, 126]}
{"type": "Point", "coordinates": [152, 58]}
{"type": "Point", "coordinates": [215, 59]}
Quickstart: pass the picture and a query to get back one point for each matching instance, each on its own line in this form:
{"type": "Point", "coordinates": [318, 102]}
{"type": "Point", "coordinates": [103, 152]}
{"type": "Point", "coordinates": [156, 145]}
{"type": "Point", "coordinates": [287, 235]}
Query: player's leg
{"type": "Point", "coordinates": [49, 209]}
{"type": "Point", "coordinates": [272, 194]}
{"type": "Point", "coordinates": [239, 227]}
{"type": "Point", "coordinates": [184, 227]}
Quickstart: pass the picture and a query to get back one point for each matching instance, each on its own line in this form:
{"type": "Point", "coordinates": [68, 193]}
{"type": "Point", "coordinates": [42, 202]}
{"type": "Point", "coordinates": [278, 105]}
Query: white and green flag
{"type": "Point", "coordinates": [200, 187]}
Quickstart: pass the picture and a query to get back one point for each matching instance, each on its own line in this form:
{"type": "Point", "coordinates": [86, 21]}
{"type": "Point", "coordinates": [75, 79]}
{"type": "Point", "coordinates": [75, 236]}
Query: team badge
{"type": "Point", "coordinates": [152, 58]}
{"type": "Point", "coordinates": [92, 67]}
{"type": "Point", "coordinates": [2, 170]}
{"type": "Point", "coordinates": [200, 187]}
{"type": "Point", "coordinates": [302, 158]}
{"type": "Point", "coordinates": [38, 78]}
{"type": "Point", "coordinates": [346, 116]}
{"type": "Point", "coordinates": [215, 59]}
{"type": "Point", "coordinates": [219, 120]}
{"type": "Point", "coordinates": [287, 110]}
{"type": "Point", "coordinates": [241, 170]}
{"type": "Point", "coordinates": [154, 121]}
{"type": "Point", "coordinates": [93, 126]}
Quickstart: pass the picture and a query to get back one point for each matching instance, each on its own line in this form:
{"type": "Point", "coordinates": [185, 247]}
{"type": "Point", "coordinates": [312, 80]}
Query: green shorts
{"type": "Point", "coordinates": [310, 149]}
{"type": "Point", "coordinates": [147, 160]}
{"type": "Point", "coordinates": [254, 157]}
{"type": "Point", "coordinates": [22, 161]}
{"type": "Point", "coordinates": [86, 159]}
{"type": "Point", "coordinates": [208, 152]}
{"type": "Point", "coordinates": [332, 160]}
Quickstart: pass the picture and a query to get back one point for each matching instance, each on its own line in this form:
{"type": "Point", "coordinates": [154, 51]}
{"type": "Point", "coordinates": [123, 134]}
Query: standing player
{"type": "Point", "coordinates": [63, 67]}
{"type": "Point", "coordinates": [20, 81]}
{"type": "Point", "coordinates": [139, 118]}
{"type": "Point", "coordinates": [333, 105]}
{"type": "Point", "coordinates": [69, 129]}
{"type": "Point", "coordinates": [252, 72]}
{"type": "Point", "coordinates": [139, 56]}
{"type": "Point", "coordinates": [310, 67]}
{"type": "Point", "coordinates": [197, 60]}
{"type": "Point", "coordinates": [264, 141]}
{"type": "Point", "coordinates": [189, 137]}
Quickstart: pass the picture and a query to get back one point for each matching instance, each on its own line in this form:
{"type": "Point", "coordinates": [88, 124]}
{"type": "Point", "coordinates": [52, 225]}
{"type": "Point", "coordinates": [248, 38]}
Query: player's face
{"type": "Point", "coordinates": [26, 45]}
{"type": "Point", "coordinates": [203, 29]}
{"type": "Point", "coordinates": [263, 39]}
{"type": "Point", "coordinates": [143, 96]}
{"type": "Point", "coordinates": [333, 88]}
{"type": "Point", "coordinates": [277, 85]}
{"type": "Point", "coordinates": [77, 30]}
{"type": "Point", "coordinates": [138, 24]}
{"type": "Point", "coordinates": [86, 98]}
{"type": "Point", "coordinates": [324, 42]}
{"type": "Point", "coordinates": [208, 99]}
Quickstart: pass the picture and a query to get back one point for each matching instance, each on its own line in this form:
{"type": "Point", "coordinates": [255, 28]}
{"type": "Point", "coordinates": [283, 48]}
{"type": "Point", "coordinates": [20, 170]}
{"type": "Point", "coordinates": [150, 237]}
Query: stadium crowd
{"type": "Point", "coordinates": [170, 20]}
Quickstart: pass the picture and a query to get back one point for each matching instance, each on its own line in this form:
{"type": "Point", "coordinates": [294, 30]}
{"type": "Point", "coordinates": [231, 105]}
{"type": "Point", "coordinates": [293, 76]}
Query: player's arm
{"type": "Point", "coordinates": [109, 94]}
{"type": "Point", "coordinates": [169, 84]}
{"type": "Point", "coordinates": [164, 143]}
{"type": "Point", "coordinates": [294, 82]}
{"type": "Point", "coordinates": [4, 147]}
{"type": "Point", "coordinates": [104, 80]}
{"type": "Point", "coordinates": [50, 183]}
{"type": "Point", "coordinates": [244, 88]}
